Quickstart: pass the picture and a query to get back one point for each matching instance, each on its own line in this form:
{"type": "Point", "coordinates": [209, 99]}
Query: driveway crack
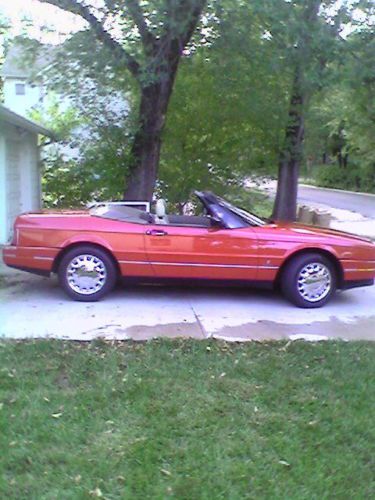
{"type": "Point", "coordinates": [201, 327]}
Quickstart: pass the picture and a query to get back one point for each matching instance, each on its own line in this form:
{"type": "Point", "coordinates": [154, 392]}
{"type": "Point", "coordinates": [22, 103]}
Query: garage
{"type": "Point", "coordinates": [20, 179]}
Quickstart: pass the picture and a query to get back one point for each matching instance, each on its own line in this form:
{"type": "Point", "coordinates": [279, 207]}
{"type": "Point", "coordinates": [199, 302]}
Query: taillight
{"type": "Point", "coordinates": [14, 236]}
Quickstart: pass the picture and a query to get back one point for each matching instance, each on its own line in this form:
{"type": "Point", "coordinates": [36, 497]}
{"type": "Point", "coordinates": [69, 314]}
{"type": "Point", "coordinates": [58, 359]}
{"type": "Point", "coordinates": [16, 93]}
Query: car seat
{"type": "Point", "coordinates": [161, 212]}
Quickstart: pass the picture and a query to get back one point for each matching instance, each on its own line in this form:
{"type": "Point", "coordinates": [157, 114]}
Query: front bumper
{"type": "Point", "coordinates": [358, 270]}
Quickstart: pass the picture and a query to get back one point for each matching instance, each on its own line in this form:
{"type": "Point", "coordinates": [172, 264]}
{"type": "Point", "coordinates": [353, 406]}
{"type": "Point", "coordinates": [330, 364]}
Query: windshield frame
{"type": "Point", "coordinates": [249, 217]}
{"type": "Point", "coordinates": [209, 199]}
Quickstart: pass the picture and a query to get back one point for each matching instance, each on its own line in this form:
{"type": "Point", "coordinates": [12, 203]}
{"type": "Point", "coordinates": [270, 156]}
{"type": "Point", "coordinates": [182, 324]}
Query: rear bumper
{"type": "Point", "coordinates": [37, 260]}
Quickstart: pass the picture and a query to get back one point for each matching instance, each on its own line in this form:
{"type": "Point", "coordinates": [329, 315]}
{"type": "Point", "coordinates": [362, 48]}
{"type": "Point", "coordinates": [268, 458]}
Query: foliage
{"type": "Point", "coordinates": [252, 200]}
{"type": "Point", "coordinates": [229, 107]}
{"type": "Point", "coordinates": [225, 118]}
{"type": "Point", "coordinates": [97, 176]}
{"type": "Point", "coordinates": [5, 37]}
{"type": "Point", "coordinates": [94, 130]}
{"type": "Point", "coordinates": [341, 123]}
{"type": "Point", "coordinates": [145, 41]}
{"type": "Point", "coordinates": [355, 178]}
{"type": "Point", "coordinates": [186, 420]}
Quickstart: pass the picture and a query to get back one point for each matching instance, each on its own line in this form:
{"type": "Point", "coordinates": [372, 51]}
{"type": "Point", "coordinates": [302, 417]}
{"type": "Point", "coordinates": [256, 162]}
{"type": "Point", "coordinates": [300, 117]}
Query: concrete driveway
{"type": "Point", "coordinates": [31, 306]}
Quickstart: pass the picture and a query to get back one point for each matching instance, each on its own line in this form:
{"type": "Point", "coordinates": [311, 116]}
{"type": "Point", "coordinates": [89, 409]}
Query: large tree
{"type": "Point", "coordinates": [146, 39]}
{"type": "Point", "coordinates": [316, 46]}
{"type": "Point", "coordinates": [227, 112]}
{"type": "Point", "coordinates": [303, 23]}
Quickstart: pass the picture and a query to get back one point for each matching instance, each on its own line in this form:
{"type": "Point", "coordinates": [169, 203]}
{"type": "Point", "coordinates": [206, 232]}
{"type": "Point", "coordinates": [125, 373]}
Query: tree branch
{"type": "Point", "coordinates": [75, 7]}
{"type": "Point", "coordinates": [194, 18]}
{"type": "Point", "coordinates": [135, 10]}
{"type": "Point", "coordinates": [183, 14]}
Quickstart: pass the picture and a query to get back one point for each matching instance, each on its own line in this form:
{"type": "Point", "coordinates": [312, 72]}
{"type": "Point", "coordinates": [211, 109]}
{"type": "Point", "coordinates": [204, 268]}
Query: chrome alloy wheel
{"type": "Point", "coordinates": [86, 274]}
{"type": "Point", "coordinates": [314, 281]}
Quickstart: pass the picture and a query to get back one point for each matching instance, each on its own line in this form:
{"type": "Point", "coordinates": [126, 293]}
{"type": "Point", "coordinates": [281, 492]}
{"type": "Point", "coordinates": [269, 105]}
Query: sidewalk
{"type": "Point", "coordinates": [345, 220]}
{"type": "Point", "coordinates": [351, 222]}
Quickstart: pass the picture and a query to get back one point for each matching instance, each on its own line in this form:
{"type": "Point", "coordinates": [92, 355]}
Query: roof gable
{"type": "Point", "coordinates": [8, 116]}
{"type": "Point", "coordinates": [16, 66]}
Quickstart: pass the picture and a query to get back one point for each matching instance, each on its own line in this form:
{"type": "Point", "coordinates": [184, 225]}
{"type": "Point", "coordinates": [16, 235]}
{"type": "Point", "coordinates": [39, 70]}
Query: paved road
{"type": "Point", "coordinates": [31, 306]}
{"type": "Point", "coordinates": [355, 202]}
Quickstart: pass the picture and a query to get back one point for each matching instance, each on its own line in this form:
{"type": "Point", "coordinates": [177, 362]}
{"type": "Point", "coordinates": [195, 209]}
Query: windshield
{"type": "Point", "coordinates": [244, 214]}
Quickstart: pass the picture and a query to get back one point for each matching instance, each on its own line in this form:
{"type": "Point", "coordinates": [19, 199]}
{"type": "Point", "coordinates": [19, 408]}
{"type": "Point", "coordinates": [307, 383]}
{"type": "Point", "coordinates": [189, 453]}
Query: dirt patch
{"type": "Point", "coordinates": [170, 330]}
{"type": "Point", "coordinates": [360, 329]}
{"type": "Point", "coordinates": [8, 282]}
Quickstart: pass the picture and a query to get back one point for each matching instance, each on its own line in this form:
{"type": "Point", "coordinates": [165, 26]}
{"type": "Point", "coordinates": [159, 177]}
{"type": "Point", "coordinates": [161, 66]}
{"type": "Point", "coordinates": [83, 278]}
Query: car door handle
{"type": "Point", "coordinates": [156, 232]}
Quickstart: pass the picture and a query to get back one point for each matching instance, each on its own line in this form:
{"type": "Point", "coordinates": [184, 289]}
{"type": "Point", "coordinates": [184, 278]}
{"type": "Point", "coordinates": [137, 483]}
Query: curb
{"type": "Point", "coordinates": [337, 190]}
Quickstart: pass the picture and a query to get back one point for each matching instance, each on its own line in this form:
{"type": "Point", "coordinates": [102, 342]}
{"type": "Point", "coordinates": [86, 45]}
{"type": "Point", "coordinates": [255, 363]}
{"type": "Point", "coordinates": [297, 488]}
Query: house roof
{"type": "Point", "coordinates": [8, 116]}
{"type": "Point", "coordinates": [15, 63]}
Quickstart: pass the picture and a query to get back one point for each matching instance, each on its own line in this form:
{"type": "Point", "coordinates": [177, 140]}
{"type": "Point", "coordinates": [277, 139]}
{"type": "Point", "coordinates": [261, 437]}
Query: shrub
{"type": "Point", "coordinates": [353, 177]}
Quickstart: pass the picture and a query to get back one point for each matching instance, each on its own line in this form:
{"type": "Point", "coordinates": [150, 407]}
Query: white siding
{"type": "Point", "coordinates": [21, 104]}
{"type": "Point", "coordinates": [13, 181]}
{"type": "Point", "coordinates": [20, 170]}
{"type": "Point", "coordinates": [3, 193]}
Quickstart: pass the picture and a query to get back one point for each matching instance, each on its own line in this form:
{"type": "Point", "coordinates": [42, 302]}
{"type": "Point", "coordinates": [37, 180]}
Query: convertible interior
{"type": "Point", "coordinates": [218, 212]}
{"type": "Point", "coordinates": [129, 214]}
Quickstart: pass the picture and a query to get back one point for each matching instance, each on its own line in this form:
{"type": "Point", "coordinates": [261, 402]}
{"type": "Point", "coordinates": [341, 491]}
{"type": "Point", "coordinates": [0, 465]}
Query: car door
{"type": "Point", "coordinates": [201, 252]}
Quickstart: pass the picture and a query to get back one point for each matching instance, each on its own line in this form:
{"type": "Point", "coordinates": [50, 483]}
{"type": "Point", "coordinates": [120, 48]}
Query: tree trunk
{"type": "Point", "coordinates": [140, 183]}
{"type": "Point", "coordinates": [145, 151]}
{"type": "Point", "coordinates": [285, 206]}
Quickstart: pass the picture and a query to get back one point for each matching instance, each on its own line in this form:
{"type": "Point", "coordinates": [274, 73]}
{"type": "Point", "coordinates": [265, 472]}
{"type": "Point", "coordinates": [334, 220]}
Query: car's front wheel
{"type": "Point", "coordinates": [87, 273]}
{"type": "Point", "coordinates": [309, 280]}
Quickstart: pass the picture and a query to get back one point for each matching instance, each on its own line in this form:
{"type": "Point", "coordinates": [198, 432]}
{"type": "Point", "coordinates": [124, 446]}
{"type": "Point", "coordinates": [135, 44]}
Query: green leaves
{"type": "Point", "coordinates": [229, 107]}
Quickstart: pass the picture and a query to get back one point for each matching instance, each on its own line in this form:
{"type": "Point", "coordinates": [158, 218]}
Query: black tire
{"type": "Point", "coordinates": [87, 288]}
{"type": "Point", "coordinates": [296, 289]}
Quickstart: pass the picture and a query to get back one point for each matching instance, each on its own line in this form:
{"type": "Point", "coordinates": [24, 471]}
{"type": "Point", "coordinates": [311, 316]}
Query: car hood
{"type": "Point", "coordinates": [303, 229]}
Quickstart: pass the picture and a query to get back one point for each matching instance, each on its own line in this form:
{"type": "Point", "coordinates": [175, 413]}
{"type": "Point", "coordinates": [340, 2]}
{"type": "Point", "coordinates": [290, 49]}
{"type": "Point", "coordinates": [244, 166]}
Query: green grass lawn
{"type": "Point", "coordinates": [187, 420]}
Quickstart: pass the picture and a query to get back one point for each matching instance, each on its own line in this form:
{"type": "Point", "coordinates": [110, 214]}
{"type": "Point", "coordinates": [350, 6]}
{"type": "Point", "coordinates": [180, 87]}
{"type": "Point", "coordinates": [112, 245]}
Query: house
{"type": "Point", "coordinates": [20, 179]}
{"type": "Point", "coordinates": [25, 89]}
{"type": "Point", "coordinates": [26, 86]}
{"type": "Point", "coordinates": [21, 94]}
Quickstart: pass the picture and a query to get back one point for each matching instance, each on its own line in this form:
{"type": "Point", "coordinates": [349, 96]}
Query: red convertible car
{"type": "Point", "coordinates": [90, 250]}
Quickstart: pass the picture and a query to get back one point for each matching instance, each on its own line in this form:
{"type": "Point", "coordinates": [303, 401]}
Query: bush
{"type": "Point", "coordinates": [353, 177]}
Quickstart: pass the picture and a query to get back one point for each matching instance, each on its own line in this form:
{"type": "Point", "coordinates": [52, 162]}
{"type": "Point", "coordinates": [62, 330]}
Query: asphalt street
{"type": "Point", "coordinates": [363, 204]}
{"type": "Point", "coordinates": [350, 212]}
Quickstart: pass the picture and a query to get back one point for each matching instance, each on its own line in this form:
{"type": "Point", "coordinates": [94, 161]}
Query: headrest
{"type": "Point", "coordinates": [161, 208]}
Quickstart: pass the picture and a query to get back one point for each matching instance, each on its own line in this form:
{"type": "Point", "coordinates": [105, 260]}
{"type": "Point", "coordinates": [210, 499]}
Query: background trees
{"type": "Point", "coordinates": [147, 41]}
{"type": "Point", "coordinates": [264, 88]}
{"type": "Point", "coordinates": [341, 120]}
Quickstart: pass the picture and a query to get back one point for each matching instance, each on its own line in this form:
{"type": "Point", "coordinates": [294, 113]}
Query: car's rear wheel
{"type": "Point", "coordinates": [309, 280]}
{"type": "Point", "coordinates": [87, 273]}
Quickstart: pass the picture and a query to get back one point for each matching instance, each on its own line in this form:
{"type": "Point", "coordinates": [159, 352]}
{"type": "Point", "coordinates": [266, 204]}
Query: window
{"type": "Point", "coordinates": [20, 89]}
